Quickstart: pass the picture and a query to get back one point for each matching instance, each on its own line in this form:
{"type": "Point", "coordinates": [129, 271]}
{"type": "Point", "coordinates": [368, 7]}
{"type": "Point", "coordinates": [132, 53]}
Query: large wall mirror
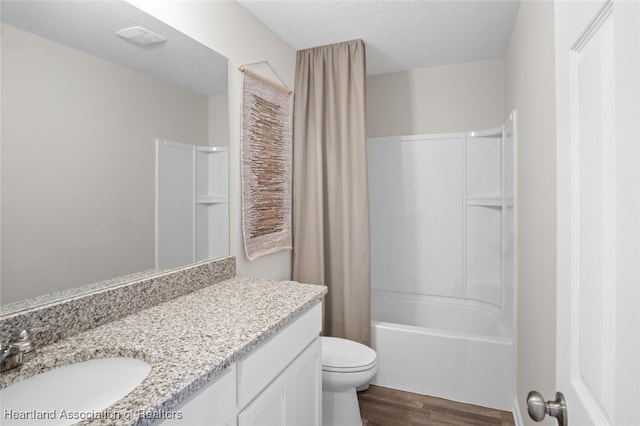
{"type": "Point", "coordinates": [82, 109]}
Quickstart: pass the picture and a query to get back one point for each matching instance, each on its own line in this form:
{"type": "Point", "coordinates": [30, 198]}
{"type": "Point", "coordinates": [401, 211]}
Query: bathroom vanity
{"type": "Point", "coordinates": [277, 383]}
{"type": "Point", "coordinates": [241, 351]}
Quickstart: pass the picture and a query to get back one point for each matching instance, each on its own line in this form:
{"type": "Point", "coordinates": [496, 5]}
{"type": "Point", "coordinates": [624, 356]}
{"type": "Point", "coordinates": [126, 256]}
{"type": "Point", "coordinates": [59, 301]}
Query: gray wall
{"type": "Point", "coordinates": [78, 154]}
{"type": "Point", "coordinates": [452, 98]}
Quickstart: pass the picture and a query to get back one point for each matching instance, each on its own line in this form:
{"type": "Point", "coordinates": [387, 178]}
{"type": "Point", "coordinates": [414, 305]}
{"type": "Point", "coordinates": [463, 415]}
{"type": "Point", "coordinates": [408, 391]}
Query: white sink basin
{"type": "Point", "coordinates": [61, 395]}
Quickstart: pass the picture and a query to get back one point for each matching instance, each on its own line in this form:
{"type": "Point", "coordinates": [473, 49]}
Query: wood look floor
{"type": "Point", "coordinates": [389, 407]}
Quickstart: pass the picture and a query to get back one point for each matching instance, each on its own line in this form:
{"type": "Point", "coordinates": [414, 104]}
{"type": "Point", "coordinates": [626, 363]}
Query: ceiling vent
{"type": "Point", "coordinates": [141, 36]}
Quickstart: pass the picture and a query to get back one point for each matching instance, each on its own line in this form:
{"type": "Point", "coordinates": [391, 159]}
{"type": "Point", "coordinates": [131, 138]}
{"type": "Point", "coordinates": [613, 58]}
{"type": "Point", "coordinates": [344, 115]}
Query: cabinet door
{"type": "Point", "coordinates": [268, 409]}
{"type": "Point", "coordinates": [304, 388]}
{"type": "Point", "coordinates": [293, 398]}
{"type": "Point", "coordinates": [267, 362]}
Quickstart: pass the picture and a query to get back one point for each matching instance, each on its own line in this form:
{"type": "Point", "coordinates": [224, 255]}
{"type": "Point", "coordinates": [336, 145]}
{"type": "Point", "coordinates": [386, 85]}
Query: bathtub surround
{"type": "Point", "coordinates": [330, 201]}
{"type": "Point", "coordinates": [443, 263]}
{"type": "Point", "coordinates": [442, 212]}
{"type": "Point", "coordinates": [68, 317]}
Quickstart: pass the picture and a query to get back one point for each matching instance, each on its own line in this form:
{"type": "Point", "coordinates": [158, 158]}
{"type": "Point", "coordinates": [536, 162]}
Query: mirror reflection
{"type": "Point", "coordinates": [83, 113]}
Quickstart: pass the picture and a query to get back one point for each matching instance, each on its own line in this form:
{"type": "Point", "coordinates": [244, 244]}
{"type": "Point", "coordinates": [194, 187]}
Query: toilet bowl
{"type": "Point", "coordinates": [346, 365]}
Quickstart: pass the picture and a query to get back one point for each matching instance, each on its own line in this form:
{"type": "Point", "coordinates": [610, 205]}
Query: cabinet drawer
{"type": "Point", "coordinates": [263, 365]}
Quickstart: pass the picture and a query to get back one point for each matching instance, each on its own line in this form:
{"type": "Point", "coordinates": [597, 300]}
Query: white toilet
{"type": "Point", "coordinates": [346, 365]}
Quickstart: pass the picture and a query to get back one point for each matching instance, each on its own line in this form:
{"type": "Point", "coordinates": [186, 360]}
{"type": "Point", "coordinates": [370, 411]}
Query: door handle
{"type": "Point", "coordinates": [538, 408]}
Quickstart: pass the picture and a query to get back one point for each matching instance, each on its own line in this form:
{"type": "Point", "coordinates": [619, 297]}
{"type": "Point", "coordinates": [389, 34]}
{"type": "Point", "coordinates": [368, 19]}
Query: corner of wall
{"type": "Point", "coordinates": [530, 88]}
{"type": "Point", "coordinates": [517, 415]}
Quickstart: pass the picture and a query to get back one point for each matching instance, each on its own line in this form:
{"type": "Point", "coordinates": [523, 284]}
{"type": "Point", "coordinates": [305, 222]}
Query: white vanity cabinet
{"type": "Point", "coordinates": [214, 404]}
{"type": "Point", "coordinates": [281, 382]}
{"type": "Point", "coordinates": [293, 398]}
{"type": "Point", "coordinates": [278, 383]}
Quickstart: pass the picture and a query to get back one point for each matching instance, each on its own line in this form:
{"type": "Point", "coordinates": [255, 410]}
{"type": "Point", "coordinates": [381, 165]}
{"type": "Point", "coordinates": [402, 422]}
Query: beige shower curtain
{"type": "Point", "coordinates": [330, 200]}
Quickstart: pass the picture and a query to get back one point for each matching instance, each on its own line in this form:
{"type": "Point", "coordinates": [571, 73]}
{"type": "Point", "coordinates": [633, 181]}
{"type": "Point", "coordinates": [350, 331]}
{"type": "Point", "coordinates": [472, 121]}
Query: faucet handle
{"type": "Point", "coordinates": [20, 350]}
{"type": "Point", "coordinates": [24, 343]}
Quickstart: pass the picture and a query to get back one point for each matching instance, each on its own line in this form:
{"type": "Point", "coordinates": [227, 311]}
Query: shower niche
{"type": "Point", "coordinates": [442, 215]}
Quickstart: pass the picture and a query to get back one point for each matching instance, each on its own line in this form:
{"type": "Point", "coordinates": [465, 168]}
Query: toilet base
{"type": "Point", "coordinates": [341, 408]}
{"type": "Point", "coordinates": [363, 387]}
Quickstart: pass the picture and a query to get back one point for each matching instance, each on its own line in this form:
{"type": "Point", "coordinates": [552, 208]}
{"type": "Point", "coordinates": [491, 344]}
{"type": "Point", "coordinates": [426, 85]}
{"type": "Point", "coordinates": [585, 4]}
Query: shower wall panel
{"type": "Point", "coordinates": [416, 190]}
{"type": "Point", "coordinates": [442, 215]}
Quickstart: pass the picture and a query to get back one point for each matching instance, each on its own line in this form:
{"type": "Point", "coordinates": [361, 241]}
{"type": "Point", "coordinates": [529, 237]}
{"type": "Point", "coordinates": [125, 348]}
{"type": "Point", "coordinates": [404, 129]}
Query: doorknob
{"type": "Point", "coordinates": [538, 408]}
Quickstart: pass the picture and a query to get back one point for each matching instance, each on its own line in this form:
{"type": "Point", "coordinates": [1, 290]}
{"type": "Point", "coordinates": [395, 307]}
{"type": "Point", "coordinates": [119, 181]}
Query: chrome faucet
{"type": "Point", "coordinates": [19, 351]}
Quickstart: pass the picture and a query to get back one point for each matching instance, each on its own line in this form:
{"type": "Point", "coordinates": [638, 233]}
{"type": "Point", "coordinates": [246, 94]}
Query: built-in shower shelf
{"type": "Point", "coordinates": [211, 149]}
{"type": "Point", "coordinates": [485, 201]}
{"type": "Point", "coordinates": [212, 199]}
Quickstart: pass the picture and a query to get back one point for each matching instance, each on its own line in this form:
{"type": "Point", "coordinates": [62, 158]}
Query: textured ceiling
{"type": "Point", "coordinates": [399, 35]}
{"type": "Point", "coordinates": [90, 26]}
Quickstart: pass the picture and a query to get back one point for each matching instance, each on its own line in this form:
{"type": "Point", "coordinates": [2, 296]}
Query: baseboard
{"type": "Point", "coordinates": [517, 415]}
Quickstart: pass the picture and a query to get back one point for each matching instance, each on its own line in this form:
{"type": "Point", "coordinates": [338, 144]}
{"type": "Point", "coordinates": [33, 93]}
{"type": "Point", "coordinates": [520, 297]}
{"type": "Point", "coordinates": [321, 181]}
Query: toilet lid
{"type": "Point", "coordinates": [346, 356]}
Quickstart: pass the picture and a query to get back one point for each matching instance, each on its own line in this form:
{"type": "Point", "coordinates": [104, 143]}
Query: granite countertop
{"type": "Point", "coordinates": [188, 341]}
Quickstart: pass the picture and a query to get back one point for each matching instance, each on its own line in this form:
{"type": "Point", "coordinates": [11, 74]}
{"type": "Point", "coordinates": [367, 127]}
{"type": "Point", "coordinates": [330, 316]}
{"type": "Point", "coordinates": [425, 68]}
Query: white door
{"type": "Point", "coordinates": [598, 304]}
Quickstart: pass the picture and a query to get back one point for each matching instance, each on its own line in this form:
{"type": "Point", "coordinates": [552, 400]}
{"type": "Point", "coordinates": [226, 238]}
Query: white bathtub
{"type": "Point", "coordinates": [449, 348]}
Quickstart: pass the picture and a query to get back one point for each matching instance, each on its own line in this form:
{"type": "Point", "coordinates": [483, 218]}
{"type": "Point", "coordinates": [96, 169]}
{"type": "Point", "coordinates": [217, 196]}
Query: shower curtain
{"type": "Point", "coordinates": [330, 198]}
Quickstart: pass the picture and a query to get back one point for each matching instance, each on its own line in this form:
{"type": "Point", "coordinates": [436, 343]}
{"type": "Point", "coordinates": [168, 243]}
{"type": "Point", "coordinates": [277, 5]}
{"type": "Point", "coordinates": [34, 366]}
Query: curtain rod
{"type": "Point", "coordinates": [257, 76]}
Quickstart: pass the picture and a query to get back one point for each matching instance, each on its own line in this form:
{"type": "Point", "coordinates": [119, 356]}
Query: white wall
{"type": "Point", "coordinates": [228, 28]}
{"type": "Point", "coordinates": [219, 120]}
{"type": "Point", "coordinates": [452, 98]}
{"type": "Point", "coordinates": [78, 154]}
{"type": "Point", "coordinates": [530, 88]}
